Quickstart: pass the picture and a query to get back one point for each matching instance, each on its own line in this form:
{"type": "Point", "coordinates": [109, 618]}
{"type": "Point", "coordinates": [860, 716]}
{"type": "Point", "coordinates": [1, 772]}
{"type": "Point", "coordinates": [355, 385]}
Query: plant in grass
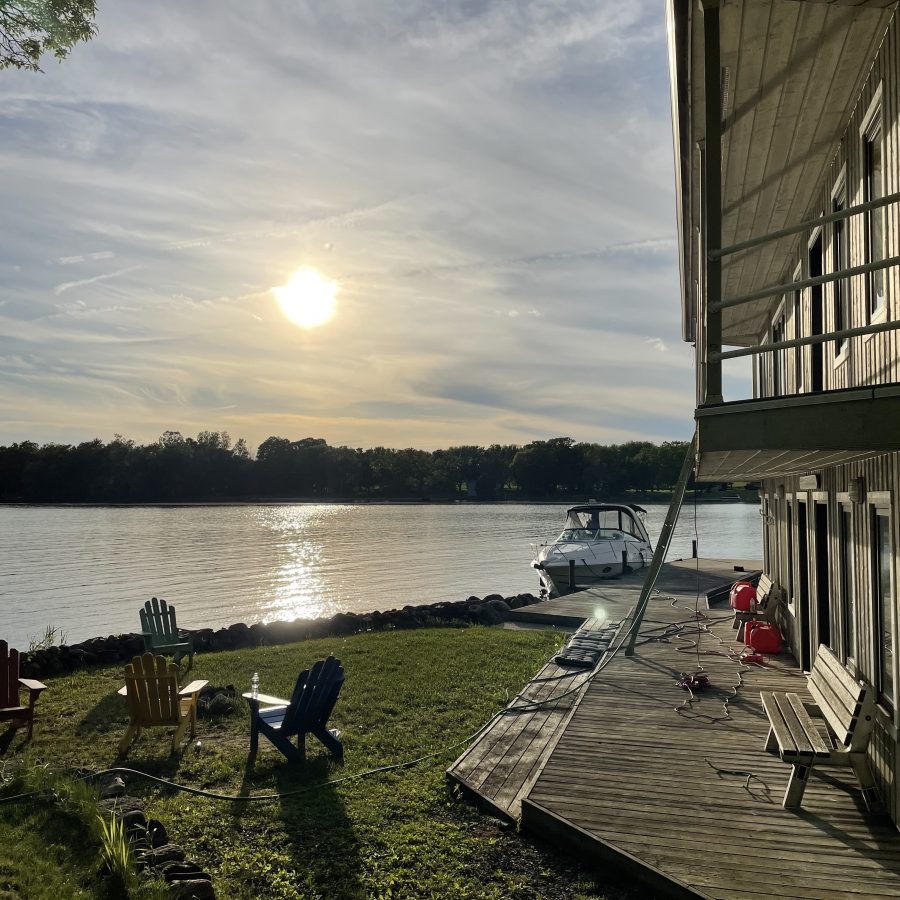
{"type": "Point", "coordinates": [115, 853]}
{"type": "Point", "coordinates": [53, 636]}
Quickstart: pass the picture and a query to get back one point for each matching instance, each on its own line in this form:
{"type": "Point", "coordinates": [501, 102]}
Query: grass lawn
{"type": "Point", "coordinates": [392, 835]}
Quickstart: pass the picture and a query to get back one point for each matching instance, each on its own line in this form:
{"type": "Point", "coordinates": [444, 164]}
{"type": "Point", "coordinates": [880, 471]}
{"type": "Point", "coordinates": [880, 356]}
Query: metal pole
{"type": "Point", "coordinates": [712, 202]}
{"type": "Point", "coordinates": [812, 339]}
{"type": "Point", "coordinates": [662, 545]}
{"type": "Point", "coordinates": [808, 282]}
{"type": "Point", "coordinates": [808, 225]}
{"type": "Point", "coordinates": [572, 574]}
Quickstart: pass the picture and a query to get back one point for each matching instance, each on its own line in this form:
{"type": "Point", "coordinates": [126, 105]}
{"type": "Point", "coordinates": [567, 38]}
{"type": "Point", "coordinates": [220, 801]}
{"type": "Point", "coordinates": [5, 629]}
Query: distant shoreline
{"type": "Point", "coordinates": [713, 497]}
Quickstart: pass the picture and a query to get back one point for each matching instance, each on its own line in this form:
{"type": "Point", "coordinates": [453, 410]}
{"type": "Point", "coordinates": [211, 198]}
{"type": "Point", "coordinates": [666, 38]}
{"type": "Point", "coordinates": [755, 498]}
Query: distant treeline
{"type": "Point", "coordinates": [211, 467]}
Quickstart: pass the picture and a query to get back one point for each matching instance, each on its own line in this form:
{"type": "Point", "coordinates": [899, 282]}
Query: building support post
{"type": "Point", "coordinates": [712, 205]}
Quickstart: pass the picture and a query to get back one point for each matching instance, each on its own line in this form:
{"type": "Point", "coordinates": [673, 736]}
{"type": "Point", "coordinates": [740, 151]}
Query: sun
{"type": "Point", "coordinates": [308, 299]}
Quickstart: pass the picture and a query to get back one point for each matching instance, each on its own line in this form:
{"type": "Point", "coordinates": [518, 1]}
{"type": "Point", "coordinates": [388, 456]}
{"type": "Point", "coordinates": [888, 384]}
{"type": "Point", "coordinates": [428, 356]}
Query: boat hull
{"type": "Point", "coordinates": [559, 577]}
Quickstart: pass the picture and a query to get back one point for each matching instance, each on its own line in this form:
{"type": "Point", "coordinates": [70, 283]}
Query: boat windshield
{"type": "Point", "coordinates": [601, 524]}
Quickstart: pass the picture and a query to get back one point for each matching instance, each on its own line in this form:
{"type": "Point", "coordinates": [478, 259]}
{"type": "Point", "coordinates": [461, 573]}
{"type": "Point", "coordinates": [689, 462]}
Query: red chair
{"type": "Point", "coordinates": [11, 709]}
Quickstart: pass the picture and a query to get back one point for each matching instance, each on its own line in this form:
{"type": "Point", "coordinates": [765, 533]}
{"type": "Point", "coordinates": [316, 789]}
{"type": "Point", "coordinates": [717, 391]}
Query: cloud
{"type": "Point", "coordinates": [69, 285]}
{"type": "Point", "coordinates": [71, 260]}
{"type": "Point", "coordinates": [657, 344]}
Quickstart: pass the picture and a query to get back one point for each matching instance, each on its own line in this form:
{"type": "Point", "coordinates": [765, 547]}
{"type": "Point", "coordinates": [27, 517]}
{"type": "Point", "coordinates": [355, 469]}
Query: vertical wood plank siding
{"type": "Point", "coordinates": [870, 360]}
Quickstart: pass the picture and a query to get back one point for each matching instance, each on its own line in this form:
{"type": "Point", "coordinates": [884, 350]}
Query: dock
{"type": "Point", "coordinates": [669, 789]}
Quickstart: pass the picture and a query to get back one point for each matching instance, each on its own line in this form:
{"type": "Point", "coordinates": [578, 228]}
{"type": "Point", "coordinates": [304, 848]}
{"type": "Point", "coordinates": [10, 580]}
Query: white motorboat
{"type": "Point", "coordinates": [599, 541]}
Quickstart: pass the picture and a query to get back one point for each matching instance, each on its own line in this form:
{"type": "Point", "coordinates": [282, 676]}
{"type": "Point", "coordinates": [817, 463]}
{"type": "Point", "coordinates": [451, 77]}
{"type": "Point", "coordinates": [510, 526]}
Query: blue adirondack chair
{"type": "Point", "coordinates": [306, 712]}
{"type": "Point", "coordinates": [161, 632]}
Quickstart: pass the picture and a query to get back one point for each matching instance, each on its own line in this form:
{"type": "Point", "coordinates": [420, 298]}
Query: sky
{"type": "Point", "coordinates": [490, 185]}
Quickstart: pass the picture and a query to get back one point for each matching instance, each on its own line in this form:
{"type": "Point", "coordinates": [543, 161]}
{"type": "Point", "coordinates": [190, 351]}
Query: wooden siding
{"type": "Point", "coordinates": [879, 475]}
{"type": "Point", "coordinates": [871, 359]}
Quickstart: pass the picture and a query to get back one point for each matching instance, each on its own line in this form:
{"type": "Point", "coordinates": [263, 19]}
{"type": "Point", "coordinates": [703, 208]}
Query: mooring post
{"type": "Point", "coordinates": [572, 574]}
{"type": "Point", "coordinates": [694, 549]}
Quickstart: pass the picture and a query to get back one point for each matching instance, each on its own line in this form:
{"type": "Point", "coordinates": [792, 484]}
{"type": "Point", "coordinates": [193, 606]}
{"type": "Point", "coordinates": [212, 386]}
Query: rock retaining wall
{"type": "Point", "coordinates": [489, 610]}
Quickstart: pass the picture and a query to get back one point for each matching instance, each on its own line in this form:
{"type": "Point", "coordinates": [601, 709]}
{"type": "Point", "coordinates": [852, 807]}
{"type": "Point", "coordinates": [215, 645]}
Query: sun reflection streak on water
{"type": "Point", "coordinates": [300, 588]}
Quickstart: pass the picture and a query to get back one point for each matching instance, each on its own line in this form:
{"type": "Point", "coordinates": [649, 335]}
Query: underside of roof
{"type": "Point", "coordinates": [791, 73]}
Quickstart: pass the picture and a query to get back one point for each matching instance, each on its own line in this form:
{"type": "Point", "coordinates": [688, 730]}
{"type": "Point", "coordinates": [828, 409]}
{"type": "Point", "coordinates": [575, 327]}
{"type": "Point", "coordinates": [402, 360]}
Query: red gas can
{"type": "Point", "coordinates": [762, 637]}
{"type": "Point", "coordinates": [743, 596]}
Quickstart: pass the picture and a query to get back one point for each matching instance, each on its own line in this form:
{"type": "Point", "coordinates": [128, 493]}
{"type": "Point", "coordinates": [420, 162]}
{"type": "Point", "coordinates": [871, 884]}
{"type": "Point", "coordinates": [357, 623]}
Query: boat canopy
{"type": "Point", "coordinates": [603, 520]}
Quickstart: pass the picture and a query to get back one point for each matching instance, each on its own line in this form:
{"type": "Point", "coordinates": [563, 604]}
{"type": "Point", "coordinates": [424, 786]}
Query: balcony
{"type": "Point", "coordinates": [759, 124]}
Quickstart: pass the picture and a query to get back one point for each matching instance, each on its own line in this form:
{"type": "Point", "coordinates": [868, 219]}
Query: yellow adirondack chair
{"type": "Point", "coordinates": [151, 691]}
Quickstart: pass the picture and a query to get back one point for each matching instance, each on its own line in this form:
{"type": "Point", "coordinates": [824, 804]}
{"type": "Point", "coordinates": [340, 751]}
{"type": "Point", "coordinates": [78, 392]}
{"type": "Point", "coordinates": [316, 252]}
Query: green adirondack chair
{"type": "Point", "coordinates": [306, 712]}
{"type": "Point", "coordinates": [11, 708]}
{"type": "Point", "coordinates": [162, 634]}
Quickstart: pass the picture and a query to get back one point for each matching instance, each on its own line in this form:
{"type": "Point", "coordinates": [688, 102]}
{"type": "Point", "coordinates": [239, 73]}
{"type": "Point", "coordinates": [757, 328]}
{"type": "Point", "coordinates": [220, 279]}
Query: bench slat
{"type": "Point", "coordinates": [801, 727]}
{"type": "Point", "coordinates": [845, 704]}
{"type": "Point", "coordinates": [817, 742]}
{"type": "Point", "coordinates": [838, 676]}
{"type": "Point", "coordinates": [782, 734]}
{"type": "Point", "coordinates": [794, 726]}
{"type": "Point", "coordinates": [840, 720]}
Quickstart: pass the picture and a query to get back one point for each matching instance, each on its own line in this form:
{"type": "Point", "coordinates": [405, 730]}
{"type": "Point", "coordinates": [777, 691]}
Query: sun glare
{"type": "Point", "coordinates": [308, 299]}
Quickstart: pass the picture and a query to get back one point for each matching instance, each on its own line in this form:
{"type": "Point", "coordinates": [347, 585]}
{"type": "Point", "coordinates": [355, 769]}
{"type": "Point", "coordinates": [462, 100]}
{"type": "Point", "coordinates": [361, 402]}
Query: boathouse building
{"type": "Point", "coordinates": [786, 120]}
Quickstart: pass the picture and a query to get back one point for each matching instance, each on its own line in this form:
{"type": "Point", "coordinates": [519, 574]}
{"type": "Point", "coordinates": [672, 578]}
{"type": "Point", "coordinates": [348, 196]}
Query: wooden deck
{"type": "Point", "coordinates": [500, 768]}
{"type": "Point", "coordinates": [625, 774]}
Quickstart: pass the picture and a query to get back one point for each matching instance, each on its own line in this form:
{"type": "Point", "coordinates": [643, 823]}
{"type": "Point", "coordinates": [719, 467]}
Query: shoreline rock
{"type": "Point", "coordinates": [489, 610]}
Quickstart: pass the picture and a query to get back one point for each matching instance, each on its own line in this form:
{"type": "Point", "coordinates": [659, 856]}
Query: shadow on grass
{"type": "Point", "coordinates": [312, 827]}
{"type": "Point", "coordinates": [108, 714]}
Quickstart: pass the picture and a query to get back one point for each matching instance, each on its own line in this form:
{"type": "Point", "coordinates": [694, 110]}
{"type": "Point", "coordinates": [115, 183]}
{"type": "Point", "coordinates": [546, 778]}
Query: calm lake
{"type": "Point", "coordinates": [88, 570]}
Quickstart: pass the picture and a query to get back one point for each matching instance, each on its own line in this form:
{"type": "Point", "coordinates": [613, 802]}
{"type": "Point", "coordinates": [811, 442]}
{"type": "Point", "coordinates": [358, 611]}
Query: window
{"type": "Point", "coordinates": [779, 333]}
{"type": "Point", "coordinates": [845, 583]}
{"type": "Point", "coordinates": [882, 564]}
{"type": "Point", "coordinates": [873, 219]}
{"type": "Point", "coordinates": [840, 289]}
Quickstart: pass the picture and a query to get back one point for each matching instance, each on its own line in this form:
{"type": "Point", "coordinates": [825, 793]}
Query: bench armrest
{"type": "Point", "coordinates": [32, 685]}
{"type": "Point", "coordinates": [193, 688]}
{"type": "Point", "coordinates": [267, 699]}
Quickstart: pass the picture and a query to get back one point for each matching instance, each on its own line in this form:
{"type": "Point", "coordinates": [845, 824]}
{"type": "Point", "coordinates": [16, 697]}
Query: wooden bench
{"type": "Point", "coordinates": [847, 708]}
{"type": "Point", "coordinates": [768, 596]}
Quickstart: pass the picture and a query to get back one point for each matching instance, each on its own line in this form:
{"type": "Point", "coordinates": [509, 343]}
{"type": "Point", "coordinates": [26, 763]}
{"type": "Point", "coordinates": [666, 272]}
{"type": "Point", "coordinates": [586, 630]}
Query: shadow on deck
{"type": "Point", "coordinates": [677, 793]}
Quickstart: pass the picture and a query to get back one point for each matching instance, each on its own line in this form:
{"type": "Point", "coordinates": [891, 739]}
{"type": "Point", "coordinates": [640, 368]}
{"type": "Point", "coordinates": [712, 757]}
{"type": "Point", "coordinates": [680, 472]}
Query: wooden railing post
{"type": "Point", "coordinates": [712, 205]}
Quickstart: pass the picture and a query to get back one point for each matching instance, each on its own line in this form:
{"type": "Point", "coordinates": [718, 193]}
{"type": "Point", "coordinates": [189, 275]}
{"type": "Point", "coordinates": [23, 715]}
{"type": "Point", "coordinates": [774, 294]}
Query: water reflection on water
{"type": "Point", "coordinates": [89, 569]}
